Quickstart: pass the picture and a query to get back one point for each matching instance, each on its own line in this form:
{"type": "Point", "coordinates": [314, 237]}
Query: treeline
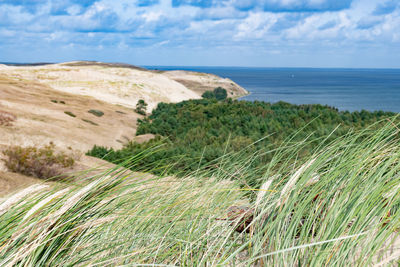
{"type": "Point", "coordinates": [194, 133]}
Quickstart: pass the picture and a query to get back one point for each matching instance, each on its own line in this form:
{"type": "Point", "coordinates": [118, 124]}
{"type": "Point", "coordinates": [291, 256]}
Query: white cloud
{"type": "Point", "coordinates": [74, 10]}
{"type": "Point", "coordinates": [122, 25]}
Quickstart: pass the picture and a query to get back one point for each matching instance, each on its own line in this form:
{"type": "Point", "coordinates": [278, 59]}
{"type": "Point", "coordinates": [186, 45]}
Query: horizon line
{"type": "Point", "coordinates": [198, 66]}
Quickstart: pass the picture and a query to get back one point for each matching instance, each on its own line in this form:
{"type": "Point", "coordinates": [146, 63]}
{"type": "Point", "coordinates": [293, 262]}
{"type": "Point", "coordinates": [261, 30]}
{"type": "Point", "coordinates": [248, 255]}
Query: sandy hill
{"type": "Point", "coordinates": [123, 84]}
{"type": "Point", "coordinates": [201, 82]}
{"type": "Point", "coordinates": [51, 103]}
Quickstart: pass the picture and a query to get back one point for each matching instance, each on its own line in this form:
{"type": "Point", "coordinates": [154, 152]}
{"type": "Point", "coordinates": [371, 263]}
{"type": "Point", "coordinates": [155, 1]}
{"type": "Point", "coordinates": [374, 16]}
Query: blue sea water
{"type": "Point", "coordinates": [345, 89]}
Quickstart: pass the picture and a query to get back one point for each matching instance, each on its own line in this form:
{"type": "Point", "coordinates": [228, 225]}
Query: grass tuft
{"type": "Point", "coordinates": [90, 122]}
{"type": "Point", "coordinates": [97, 113]}
{"type": "Point", "coordinates": [69, 113]}
{"type": "Point", "coordinates": [339, 207]}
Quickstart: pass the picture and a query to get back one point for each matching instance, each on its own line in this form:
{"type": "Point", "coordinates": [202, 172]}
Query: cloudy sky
{"type": "Point", "coordinates": [270, 33]}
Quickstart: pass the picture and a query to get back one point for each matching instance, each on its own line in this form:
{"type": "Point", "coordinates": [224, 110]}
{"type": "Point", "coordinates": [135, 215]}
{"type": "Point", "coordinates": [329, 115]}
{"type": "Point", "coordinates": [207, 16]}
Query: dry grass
{"type": "Point", "coordinates": [6, 118]}
{"type": "Point", "coordinates": [347, 215]}
{"type": "Point", "coordinates": [42, 162]}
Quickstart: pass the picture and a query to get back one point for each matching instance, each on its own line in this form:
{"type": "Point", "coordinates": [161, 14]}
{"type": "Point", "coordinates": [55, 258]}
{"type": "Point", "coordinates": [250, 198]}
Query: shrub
{"type": "Point", "coordinates": [69, 113]}
{"type": "Point", "coordinates": [208, 95]}
{"type": "Point", "coordinates": [96, 112]}
{"type": "Point", "coordinates": [90, 122]}
{"type": "Point", "coordinates": [141, 107]}
{"type": "Point", "coordinates": [6, 118]}
{"type": "Point", "coordinates": [56, 101]}
{"type": "Point", "coordinates": [42, 163]}
{"type": "Point", "coordinates": [219, 93]}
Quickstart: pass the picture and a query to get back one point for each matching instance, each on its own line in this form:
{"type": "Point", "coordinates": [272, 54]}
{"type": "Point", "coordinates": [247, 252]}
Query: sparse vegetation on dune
{"type": "Point", "coordinates": [338, 206]}
{"type": "Point", "coordinates": [69, 113]}
{"type": "Point", "coordinates": [42, 162]}
{"type": "Point", "coordinates": [96, 112]}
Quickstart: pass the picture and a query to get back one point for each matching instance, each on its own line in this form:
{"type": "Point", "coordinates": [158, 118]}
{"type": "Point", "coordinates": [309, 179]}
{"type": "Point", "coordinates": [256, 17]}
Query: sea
{"type": "Point", "coordinates": [345, 89]}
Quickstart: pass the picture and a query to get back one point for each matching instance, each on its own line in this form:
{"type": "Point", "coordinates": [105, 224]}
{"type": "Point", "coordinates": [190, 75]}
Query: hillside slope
{"type": "Point", "coordinates": [40, 120]}
{"type": "Point", "coordinates": [50, 103]}
{"type": "Point", "coordinates": [122, 84]}
{"type": "Point", "coordinates": [201, 82]}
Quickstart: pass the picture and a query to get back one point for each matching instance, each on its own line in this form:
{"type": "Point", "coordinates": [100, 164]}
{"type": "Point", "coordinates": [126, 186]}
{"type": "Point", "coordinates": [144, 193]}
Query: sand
{"type": "Point", "coordinates": [40, 96]}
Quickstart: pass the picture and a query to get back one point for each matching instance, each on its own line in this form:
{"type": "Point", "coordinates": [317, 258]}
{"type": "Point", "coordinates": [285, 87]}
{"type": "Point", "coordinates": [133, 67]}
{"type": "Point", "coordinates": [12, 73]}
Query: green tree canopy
{"type": "Point", "coordinates": [141, 107]}
{"type": "Point", "coordinates": [218, 93]}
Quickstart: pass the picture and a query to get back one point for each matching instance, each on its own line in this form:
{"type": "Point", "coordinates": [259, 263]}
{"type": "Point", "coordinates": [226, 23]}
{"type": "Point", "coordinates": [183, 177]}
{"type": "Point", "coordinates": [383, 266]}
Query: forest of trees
{"type": "Point", "coordinates": [196, 132]}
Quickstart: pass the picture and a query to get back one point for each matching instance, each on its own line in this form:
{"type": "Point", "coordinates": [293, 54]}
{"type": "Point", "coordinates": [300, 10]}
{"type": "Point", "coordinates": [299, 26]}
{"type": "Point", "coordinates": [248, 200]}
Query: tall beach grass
{"type": "Point", "coordinates": [337, 208]}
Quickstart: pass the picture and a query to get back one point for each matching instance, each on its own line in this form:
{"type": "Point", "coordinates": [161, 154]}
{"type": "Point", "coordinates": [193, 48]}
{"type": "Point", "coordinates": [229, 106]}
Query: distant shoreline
{"type": "Point", "coordinates": [345, 89]}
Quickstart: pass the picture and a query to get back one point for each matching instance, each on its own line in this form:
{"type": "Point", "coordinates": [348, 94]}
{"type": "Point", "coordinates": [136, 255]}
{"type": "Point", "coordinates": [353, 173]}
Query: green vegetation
{"type": "Point", "coordinates": [198, 132]}
{"type": "Point", "coordinates": [42, 163]}
{"type": "Point", "coordinates": [337, 207]}
{"type": "Point", "coordinates": [141, 107]}
{"type": "Point", "coordinates": [90, 122]}
{"type": "Point", "coordinates": [219, 93]}
{"type": "Point", "coordinates": [69, 113]}
{"type": "Point", "coordinates": [97, 113]}
{"type": "Point", "coordinates": [56, 101]}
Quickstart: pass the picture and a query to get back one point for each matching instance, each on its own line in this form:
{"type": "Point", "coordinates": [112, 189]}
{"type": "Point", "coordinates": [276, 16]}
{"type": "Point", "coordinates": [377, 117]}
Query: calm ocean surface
{"type": "Point", "coordinates": [346, 89]}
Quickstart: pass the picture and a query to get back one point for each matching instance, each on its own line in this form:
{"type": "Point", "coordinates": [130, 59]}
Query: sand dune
{"type": "Point", "coordinates": [40, 96]}
{"type": "Point", "coordinates": [120, 83]}
{"type": "Point", "coordinates": [201, 82]}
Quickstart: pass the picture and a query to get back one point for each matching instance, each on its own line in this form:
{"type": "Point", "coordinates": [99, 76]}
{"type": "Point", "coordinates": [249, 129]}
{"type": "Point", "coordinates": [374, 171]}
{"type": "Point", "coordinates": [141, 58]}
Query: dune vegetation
{"type": "Point", "coordinates": [337, 206]}
{"type": "Point", "coordinates": [198, 132]}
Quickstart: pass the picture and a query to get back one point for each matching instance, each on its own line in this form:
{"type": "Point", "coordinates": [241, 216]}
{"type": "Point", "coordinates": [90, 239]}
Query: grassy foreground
{"type": "Point", "coordinates": [339, 208]}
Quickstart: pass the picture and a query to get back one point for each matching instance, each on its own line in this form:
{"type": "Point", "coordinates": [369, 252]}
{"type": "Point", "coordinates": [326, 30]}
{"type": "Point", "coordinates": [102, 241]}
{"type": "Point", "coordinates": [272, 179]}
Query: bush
{"type": "Point", "coordinates": [42, 163]}
{"type": "Point", "coordinates": [6, 119]}
{"type": "Point", "coordinates": [141, 107]}
{"type": "Point", "coordinates": [69, 113]}
{"type": "Point", "coordinates": [90, 122]}
{"type": "Point", "coordinates": [219, 93]}
{"type": "Point", "coordinates": [208, 95]}
{"type": "Point", "coordinates": [96, 112]}
{"type": "Point", "coordinates": [56, 101]}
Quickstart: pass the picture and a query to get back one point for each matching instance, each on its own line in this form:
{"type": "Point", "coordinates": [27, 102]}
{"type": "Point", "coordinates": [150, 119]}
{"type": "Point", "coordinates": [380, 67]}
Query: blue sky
{"type": "Point", "coordinates": [262, 33]}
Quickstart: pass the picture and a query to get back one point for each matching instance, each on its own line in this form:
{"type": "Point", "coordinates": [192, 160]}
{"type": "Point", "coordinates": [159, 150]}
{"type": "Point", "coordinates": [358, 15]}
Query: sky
{"type": "Point", "coordinates": [254, 33]}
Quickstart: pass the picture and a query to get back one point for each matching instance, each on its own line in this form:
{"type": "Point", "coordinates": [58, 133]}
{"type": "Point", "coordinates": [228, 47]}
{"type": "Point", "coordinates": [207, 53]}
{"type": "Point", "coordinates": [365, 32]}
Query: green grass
{"type": "Point", "coordinates": [338, 207]}
{"type": "Point", "coordinates": [97, 113]}
{"type": "Point", "coordinates": [90, 122]}
{"type": "Point", "coordinates": [69, 113]}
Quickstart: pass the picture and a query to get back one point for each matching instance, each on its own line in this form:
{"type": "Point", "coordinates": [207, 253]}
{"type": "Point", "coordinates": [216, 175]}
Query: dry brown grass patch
{"type": "Point", "coordinates": [42, 162]}
{"type": "Point", "coordinates": [6, 118]}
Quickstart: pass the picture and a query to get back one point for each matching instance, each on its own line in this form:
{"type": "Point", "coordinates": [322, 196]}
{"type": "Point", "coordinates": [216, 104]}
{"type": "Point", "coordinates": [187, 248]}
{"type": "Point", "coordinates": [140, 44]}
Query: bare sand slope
{"type": "Point", "coordinates": [112, 84]}
{"type": "Point", "coordinates": [201, 82]}
{"type": "Point", "coordinates": [123, 84]}
{"type": "Point", "coordinates": [40, 121]}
